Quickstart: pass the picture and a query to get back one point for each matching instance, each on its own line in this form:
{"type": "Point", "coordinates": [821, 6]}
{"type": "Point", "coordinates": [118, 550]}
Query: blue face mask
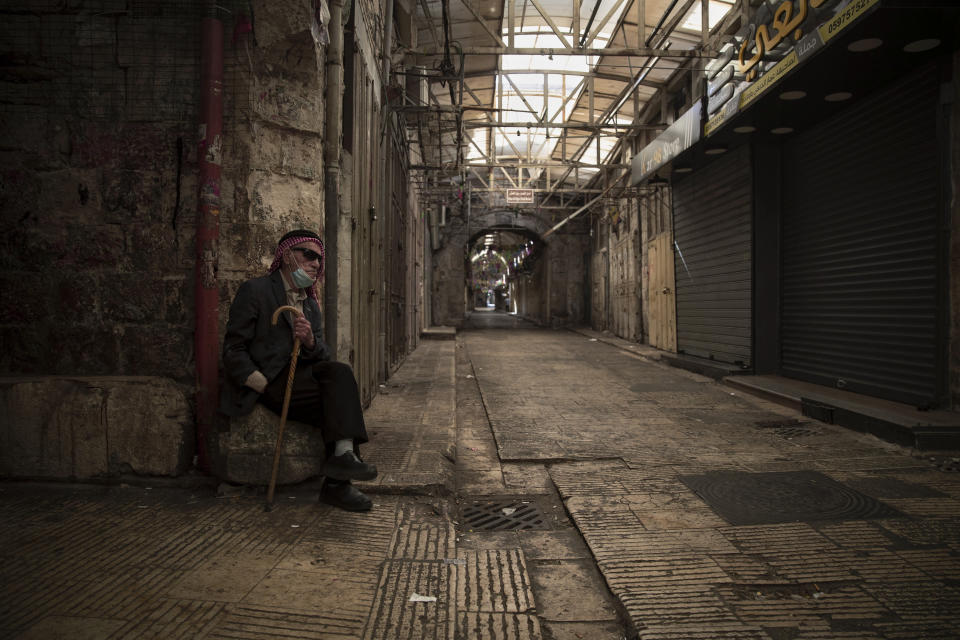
{"type": "Point", "coordinates": [301, 279]}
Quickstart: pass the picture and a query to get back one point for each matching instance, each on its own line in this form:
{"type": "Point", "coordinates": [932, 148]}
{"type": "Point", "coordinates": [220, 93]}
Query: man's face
{"type": "Point", "coordinates": [306, 256]}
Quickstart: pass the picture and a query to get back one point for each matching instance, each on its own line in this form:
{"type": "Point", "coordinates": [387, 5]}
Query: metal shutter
{"type": "Point", "coordinates": [712, 229]}
{"type": "Point", "coordinates": [860, 210]}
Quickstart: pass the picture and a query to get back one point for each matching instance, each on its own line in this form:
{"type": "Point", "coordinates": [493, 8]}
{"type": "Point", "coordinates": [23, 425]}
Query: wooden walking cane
{"type": "Point", "coordinates": [286, 401]}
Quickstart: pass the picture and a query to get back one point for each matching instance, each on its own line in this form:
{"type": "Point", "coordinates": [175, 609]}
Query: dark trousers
{"type": "Point", "coordinates": [324, 395]}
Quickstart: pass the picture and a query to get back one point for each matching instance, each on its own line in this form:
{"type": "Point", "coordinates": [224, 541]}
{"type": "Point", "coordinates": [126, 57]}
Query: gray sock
{"type": "Point", "coordinates": [343, 446]}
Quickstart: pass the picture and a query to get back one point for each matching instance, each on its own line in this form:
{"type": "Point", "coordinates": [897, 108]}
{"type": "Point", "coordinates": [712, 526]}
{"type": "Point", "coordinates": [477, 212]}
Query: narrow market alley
{"type": "Point", "coordinates": [480, 320]}
{"type": "Point", "coordinates": [534, 484]}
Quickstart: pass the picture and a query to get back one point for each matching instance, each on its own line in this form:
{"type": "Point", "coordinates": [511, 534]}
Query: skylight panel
{"type": "Point", "coordinates": [718, 10]}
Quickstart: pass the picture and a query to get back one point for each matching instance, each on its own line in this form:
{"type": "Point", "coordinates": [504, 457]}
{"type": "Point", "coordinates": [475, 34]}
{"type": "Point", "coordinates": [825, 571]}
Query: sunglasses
{"type": "Point", "coordinates": [308, 254]}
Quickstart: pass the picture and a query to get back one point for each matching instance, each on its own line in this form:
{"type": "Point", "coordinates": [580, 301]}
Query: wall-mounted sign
{"type": "Point", "coordinates": [519, 196]}
{"type": "Point", "coordinates": [779, 38]}
{"type": "Point", "coordinates": [679, 136]}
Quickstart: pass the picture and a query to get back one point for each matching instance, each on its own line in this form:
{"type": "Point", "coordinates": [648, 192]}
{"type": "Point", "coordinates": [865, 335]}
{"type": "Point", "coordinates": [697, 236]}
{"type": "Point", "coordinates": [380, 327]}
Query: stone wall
{"type": "Point", "coordinates": [273, 176]}
{"type": "Point", "coordinates": [448, 278]}
{"type": "Point", "coordinates": [954, 261]}
{"type": "Point", "coordinates": [98, 120]}
{"type": "Point", "coordinates": [565, 255]}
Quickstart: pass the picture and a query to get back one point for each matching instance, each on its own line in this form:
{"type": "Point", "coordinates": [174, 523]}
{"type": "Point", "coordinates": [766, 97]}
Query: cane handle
{"type": "Point", "coordinates": [286, 307]}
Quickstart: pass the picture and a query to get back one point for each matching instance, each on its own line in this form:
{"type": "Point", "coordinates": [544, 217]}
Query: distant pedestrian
{"type": "Point", "coordinates": [256, 361]}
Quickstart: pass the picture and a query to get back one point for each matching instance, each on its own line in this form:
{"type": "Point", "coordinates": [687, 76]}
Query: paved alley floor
{"type": "Point", "coordinates": [534, 484]}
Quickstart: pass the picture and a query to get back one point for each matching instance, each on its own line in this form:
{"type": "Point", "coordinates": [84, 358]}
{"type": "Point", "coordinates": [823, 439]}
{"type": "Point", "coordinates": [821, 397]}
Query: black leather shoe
{"type": "Point", "coordinates": [347, 466]}
{"type": "Point", "coordinates": [346, 496]}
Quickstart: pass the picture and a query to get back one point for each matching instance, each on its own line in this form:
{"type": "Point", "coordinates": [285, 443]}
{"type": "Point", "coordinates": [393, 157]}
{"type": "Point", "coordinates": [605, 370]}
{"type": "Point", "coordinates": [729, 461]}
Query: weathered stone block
{"type": "Point", "coordinates": [150, 425]}
{"type": "Point", "coordinates": [77, 299]}
{"type": "Point", "coordinates": [278, 20]}
{"type": "Point", "coordinates": [132, 196]}
{"type": "Point", "coordinates": [289, 102]}
{"type": "Point", "coordinates": [84, 428]}
{"type": "Point", "coordinates": [90, 246]}
{"type": "Point", "coordinates": [73, 193]}
{"type": "Point", "coordinates": [285, 152]}
{"type": "Point", "coordinates": [157, 351]}
{"type": "Point", "coordinates": [23, 300]}
{"type": "Point", "coordinates": [132, 146]}
{"type": "Point", "coordinates": [40, 142]}
{"type": "Point", "coordinates": [19, 194]}
{"type": "Point", "coordinates": [71, 350]}
{"type": "Point", "coordinates": [139, 298]}
{"type": "Point", "coordinates": [23, 349]}
{"type": "Point", "coordinates": [159, 250]}
{"type": "Point", "coordinates": [244, 451]}
{"type": "Point", "coordinates": [247, 249]}
{"type": "Point", "coordinates": [285, 201]}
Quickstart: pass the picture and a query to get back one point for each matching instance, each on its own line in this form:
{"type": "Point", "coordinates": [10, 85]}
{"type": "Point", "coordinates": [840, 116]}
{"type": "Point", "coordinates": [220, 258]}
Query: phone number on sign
{"type": "Point", "coordinates": [848, 14]}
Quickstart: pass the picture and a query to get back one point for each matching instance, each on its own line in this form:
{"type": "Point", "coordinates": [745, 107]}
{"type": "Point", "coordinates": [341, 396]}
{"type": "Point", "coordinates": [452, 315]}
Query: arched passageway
{"type": "Point", "coordinates": [503, 267]}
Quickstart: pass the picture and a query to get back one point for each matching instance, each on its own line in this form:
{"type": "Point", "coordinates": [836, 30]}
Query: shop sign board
{"type": "Point", "coordinates": [519, 196]}
{"type": "Point", "coordinates": [675, 139]}
{"type": "Point", "coordinates": [769, 48]}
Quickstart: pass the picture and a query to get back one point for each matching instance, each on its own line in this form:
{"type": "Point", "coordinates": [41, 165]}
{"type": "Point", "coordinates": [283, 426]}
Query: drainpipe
{"type": "Point", "coordinates": [331, 153]}
{"type": "Point", "coordinates": [206, 292]}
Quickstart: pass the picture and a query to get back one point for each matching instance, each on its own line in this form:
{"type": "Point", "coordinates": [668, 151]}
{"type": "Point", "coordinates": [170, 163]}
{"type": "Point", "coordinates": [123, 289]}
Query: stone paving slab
{"type": "Point", "coordinates": [617, 430]}
{"type": "Point", "coordinates": [412, 424]}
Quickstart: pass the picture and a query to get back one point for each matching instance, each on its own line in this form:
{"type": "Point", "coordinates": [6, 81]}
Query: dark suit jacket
{"type": "Point", "coordinates": [252, 343]}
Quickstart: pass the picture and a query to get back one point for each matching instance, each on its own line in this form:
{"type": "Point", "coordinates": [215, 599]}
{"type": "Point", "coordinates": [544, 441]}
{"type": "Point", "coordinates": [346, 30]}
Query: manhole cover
{"type": "Point", "coordinates": [790, 428]}
{"type": "Point", "coordinates": [501, 515]}
{"type": "Point", "coordinates": [743, 498]}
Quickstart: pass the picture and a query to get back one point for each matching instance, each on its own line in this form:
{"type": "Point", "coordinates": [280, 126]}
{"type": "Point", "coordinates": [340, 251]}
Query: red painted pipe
{"type": "Point", "coordinates": [206, 292]}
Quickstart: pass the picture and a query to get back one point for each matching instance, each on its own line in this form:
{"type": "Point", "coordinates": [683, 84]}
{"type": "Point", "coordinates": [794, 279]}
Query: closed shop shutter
{"type": "Point", "coordinates": [712, 213]}
{"type": "Point", "coordinates": [859, 247]}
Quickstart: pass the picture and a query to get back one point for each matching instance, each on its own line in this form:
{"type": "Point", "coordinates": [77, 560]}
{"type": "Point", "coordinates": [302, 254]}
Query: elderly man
{"type": "Point", "coordinates": [256, 362]}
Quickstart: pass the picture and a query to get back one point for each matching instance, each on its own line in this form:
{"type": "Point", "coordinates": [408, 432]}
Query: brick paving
{"type": "Point", "coordinates": [618, 431]}
{"type": "Point", "coordinates": [602, 440]}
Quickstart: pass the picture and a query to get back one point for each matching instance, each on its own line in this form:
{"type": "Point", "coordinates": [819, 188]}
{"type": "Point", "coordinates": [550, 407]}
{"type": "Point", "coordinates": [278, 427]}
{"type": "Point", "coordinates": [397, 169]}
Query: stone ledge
{"type": "Point", "coordinates": [82, 428]}
{"type": "Point", "coordinates": [439, 333]}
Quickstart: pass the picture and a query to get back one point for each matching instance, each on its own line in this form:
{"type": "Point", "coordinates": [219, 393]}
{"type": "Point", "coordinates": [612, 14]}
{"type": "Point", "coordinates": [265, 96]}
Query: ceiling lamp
{"type": "Point", "coordinates": [747, 128]}
{"type": "Point", "coordinates": [922, 45]}
{"type": "Point", "coordinates": [793, 95]}
{"type": "Point", "coordinates": [839, 96]}
{"type": "Point", "coordinates": [682, 169]}
{"type": "Point", "coordinates": [715, 151]}
{"type": "Point", "coordinates": [867, 44]}
{"type": "Point", "coordinates": [781, 130]}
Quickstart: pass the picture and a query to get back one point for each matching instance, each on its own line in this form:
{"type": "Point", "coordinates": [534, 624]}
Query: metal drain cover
{"type": "Point", "coordinates": [501, 515]}
{"type": "Point", "coordinates": [743, 498]}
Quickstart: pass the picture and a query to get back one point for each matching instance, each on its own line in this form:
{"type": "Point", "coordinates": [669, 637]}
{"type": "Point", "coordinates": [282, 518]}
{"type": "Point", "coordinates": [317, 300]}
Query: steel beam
{"type": "Point", "coordinates": [641, 52]}
{"type": "Point", "coordinates": [556, 31]}
{"type": "Point", "coordinates": [612, 128]}
{"type": "Point", "coordinates": [483, 23]}
{"type": "Point", "coordinates": [603, 23]}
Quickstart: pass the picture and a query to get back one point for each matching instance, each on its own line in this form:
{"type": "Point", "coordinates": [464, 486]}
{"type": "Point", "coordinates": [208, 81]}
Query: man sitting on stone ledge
{"type": "Point", "coordinates": [256, 362]}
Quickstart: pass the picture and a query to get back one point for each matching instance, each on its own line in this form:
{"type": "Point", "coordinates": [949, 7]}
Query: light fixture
{"type": "Point", "coordinates": [745, 129]}
{"type": "Point", "coordinates": [839, 96]}
{"type": "Point", "coordinates": [793, 95]}
{"type": "Point", "coordinates": [922, 45]}
{"type": "Point", "coordinates": [867, 44]}
{"type": "Point", "coordinates": [781, 130]}
{"type": "Point", "coordinates": [518, 133]}
{"type": "Point", "coordinates": [715, 151]}
{"type": "Point", "coordinates": [682, 169]}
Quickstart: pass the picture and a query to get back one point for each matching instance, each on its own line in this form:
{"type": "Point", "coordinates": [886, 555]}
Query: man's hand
{"type": "Point", "coordinates": [303, 331]}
